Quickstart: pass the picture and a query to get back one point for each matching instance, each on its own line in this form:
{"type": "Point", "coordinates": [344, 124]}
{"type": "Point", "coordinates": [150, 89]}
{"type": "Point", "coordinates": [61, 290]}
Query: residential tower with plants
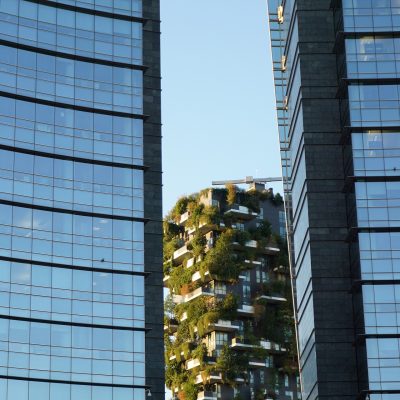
{"type": "Point", "coordinates": [229, 329]}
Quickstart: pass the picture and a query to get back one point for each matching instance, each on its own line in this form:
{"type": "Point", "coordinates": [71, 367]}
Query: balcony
{"type": "Point", "coordinates": [203, 228]}
{"type": "Point", "coordinates": [253, 244]}
{"type": "Point", "coordinates": [258, 364]}
{"type": "Point", "coordinates": [201, 291]}
{"type": "Point", "coordinates": [273, 299]}
{"type": "Point", "coordinates": [165, 280]}
{"type": "Point", "coordinates": [190, 262]}
{"type": "Point", "coordinates": [208, 377]}
{"type": "Point", "coordinates": [241, 212]}
{"type": "Point", "coordinates": [246, 311]}
{"type": "Point", "coordinates": [272, 347]}
{"type": "Point", "coordinates": [220, 326]}
{"type": "Point", "coordinates": [194, 363]}
{"type": "Point", "coordinates": [184, 317]}
{"type": "Point", "coordinates": [241, 344]}
{"type": "Point", "coordinates": [207, 396]}
{"type": "Point", "coordinates": [180, 254]}
{"type": "Point", "coordinates": [197, 276]}
{"type": "Point", "coordinates": [171, 327]}
{"type": "Point", "coordinates": [223, 326]}
{"type": "Point", "coordinates": [184, 218]}
{"type": "Point", "coordinates": [270, 250]}
{"type": "Point", "coordinates": [251, 263]}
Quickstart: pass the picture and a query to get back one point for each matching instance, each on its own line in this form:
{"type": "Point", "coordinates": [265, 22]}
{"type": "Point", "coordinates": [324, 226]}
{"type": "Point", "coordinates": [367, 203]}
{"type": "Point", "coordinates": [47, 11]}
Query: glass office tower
{"type": "Point", "coordinates": [336, 68]}
{"type": "Point", "coordinates": [80, 200]}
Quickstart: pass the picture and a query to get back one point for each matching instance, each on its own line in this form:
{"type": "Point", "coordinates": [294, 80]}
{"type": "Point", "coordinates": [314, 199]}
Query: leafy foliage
{"type": "Point", "coordinates": [231, 194]}
{"type": "Point", "coordinates": [221, 261]}
{"type": "Point", "coordinates": [231, 364]}
{"type": "Point", "coordinates": [170, 246]}
{"type": "Point", "coordinates": [197, 245]}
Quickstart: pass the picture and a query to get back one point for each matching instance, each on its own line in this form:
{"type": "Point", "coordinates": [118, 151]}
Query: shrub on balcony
{"type": "Point", "coordinates": [197, 245]}
{"type": "Point", "coordinates": [262, 232]}
{"type": "Point", "coordinates": [231, 364]}
{"type": "Point", "coordinates": [228, 307]}
{"type": "Point", "coordinates": [175, 374]}
{"type": "Point", "coordinates": [242, 237]}
{"type": "Point", "coordinates": [278, 199]}
{"type": "Point", "coordinates": [210, 215]}
{"type": "Point", "coordinates": [197, 308]}
{"type": "Point", "coordinates": [171, 230]}
{"type": "Point", "coordinates": [167, 267]}
{"type": "Point", "coordinates": [170, 246]}
{"type": "Point", "coordinates": [183, 333]}
{"type": "Point", "coordinates": [274, 287]}
{"type": "Point", "coordinates": [195, 210]}
{"type": "Point", "coordinates": [179, 209]}
{"type": "Point", "coordinates": [179, 277]}
{"type": "Point", "coordinates": [220, 261]}
{"type": "Point", "coordinates": [231, 191]}
{"type": "Point", "coordinates": [189, 390]}
{"type": "Point", "coordinates": [199, 352]}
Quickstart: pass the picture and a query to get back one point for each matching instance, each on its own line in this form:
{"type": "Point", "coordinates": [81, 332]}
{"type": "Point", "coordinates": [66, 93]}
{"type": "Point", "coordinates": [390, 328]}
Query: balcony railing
{"type": "Point", "coordinates": [190, 364]}
{"type": "Point", "coordinates": [241, 212]}
{"type": "Point", "coordinates": [184, 217]}
{"type": "Point", "coordinates": [272, 347]}
{"type": "Point", "coordinates": [207, 396]}
{"type": "Point", "coordinates": [209, 377]}
{"type": "Point", "coordinates": [180, 254]}
{"type": "Point", "coordinates": [241, 344]}
{"type": "Point", "coordinates": [253, 244]}
{"type": "Point", "coordinates": [245, 310]}
{"type": "Point", "coordinates": [197, 276]}
{"type": "Point", "coordinates": [201, 291]}
{"type": "Point", "coordinates": [274, 299]}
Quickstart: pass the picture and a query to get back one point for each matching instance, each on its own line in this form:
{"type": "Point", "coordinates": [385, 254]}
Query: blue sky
{"type": "Point", "coordinates": [219, 119]}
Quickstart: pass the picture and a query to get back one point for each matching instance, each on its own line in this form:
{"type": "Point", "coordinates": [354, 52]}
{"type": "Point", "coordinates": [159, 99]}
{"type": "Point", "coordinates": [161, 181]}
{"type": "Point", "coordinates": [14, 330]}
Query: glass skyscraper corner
{"type": "Point", "coordinates": [336, 70]}
{"type": "Point", "coordinates": [80, 200]}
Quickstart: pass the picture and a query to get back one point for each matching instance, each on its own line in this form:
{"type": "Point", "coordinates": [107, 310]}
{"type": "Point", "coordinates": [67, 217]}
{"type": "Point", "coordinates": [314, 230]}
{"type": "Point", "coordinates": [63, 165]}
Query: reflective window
{"type": "Point", "coordinates": [123, 7]}
{"type": "Point", "coordinates": [376, 153]}
{"type": "Point", "coordinates": [380, 255]}
{"type": "Point", "coordinates": [71, 32]}
{"type": "Point", "coordinates": [71, 185]}
{"type": "Point", "coordinates": [309, 373]}
{"type": "Point", "coordinates": [371, 15]}
{"type": "Point", "coordinates": [383, 365]}
{"type": "Point", "coordinates": [80, 354]}
{"type": "Point", "coordinates": [374, 105]}
{"type": "Point", "coordinates": [15, 389]}
{"type": "Point", "coordinates": [373, 57]}
{"type": "Point", "coordinates": [72, 82]}
{"type": "Point", "coordinates": [381, 308]}
{"type": "Point", "coordinates": [71, 239]}
{"type": "Point", "coordinates": [59, 294]}
{"type": "Point", "coordinates": [306, 325]}
{"type": "Point", "coordinates": [75, 133]}
{"type": "Point", "coordinates": [378, 203]}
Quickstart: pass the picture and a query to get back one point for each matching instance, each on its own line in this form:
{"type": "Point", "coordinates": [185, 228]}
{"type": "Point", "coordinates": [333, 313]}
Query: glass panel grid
{"type": "Point", "coordinates": [71, 32]}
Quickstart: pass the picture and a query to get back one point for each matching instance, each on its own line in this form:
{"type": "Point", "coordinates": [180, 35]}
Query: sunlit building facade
{"type": "Point", "coordinates": [80, 200]}
{"type": "Point", "coordinates": [336, 69]}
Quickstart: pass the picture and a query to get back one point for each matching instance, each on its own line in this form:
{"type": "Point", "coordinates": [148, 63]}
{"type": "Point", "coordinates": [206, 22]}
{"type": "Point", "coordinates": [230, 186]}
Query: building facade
{"type": "Point", "coordinates": [229, 322]}
{"type": "Point", "coordinates": [336, 78]}
{"type": "Point", "coordinates": [80, 200]}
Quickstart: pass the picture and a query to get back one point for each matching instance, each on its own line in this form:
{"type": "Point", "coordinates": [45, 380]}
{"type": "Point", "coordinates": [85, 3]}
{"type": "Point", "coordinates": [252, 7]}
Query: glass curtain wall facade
{"type": "Point", "coordinates": [337, 87]}
{"type": "Point", "coordinates": [368, 61]}
{"type": "Point", "coordinates": [80, 200]}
